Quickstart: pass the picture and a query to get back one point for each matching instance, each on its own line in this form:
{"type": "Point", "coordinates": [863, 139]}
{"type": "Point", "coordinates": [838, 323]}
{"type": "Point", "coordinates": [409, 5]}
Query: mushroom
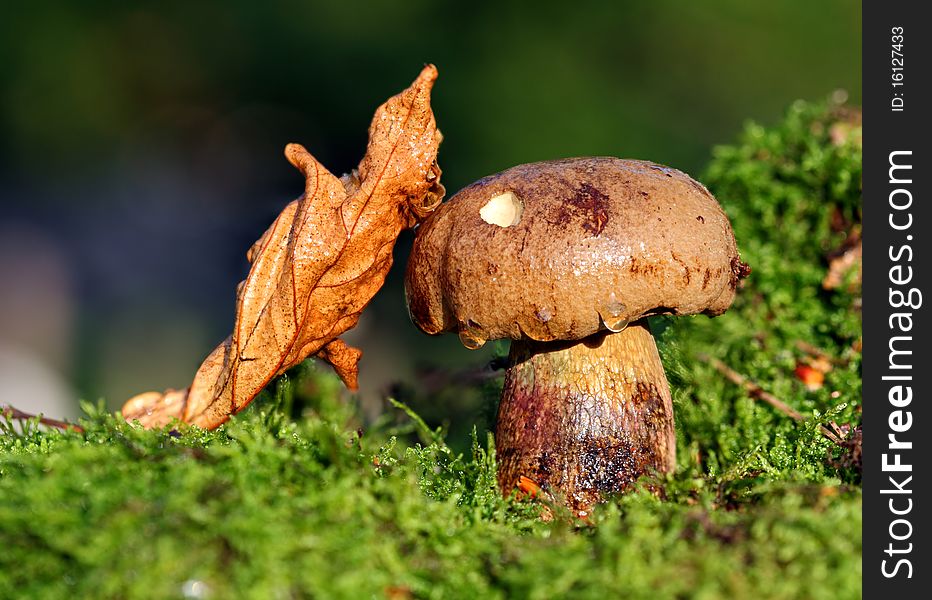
{"type": "Point", "coordinates": [567, 258]}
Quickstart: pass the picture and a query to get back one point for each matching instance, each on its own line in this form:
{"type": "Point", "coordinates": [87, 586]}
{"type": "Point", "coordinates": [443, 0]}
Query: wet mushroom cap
{"type": "Point", "coordinates": [560, 250]}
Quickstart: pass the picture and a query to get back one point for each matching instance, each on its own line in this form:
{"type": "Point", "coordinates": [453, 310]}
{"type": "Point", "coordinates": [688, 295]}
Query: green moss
{"type": "Point", "coordinates": [272, 506]}
{"type": "Point", "coordinates": [793, 195]}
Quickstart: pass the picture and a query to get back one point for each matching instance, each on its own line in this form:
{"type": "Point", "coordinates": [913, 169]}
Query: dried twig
{"type": "Point", "coordinates": [816, 352]}
{"type": "Point", "coordinates": [756, 391]}
{"type": "Point", "coordinates": [11, 412]}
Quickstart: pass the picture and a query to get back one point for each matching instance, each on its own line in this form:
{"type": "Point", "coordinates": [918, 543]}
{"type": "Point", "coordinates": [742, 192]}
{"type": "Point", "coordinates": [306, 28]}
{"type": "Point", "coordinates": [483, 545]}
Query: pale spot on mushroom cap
{"type": "Point", "coordinates": [503, 210]}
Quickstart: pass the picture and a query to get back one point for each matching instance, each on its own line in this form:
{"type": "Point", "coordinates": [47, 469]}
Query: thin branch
{"type": "Point", "coordinates": [756, 391]}
{"type": "Point", "coordinates": [11, 412]}
{"type": "Point", "coordinates": [817, 352]}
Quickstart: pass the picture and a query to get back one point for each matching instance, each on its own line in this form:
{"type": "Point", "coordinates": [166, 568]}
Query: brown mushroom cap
{"type": "Point", "coordinates": [583, 244]}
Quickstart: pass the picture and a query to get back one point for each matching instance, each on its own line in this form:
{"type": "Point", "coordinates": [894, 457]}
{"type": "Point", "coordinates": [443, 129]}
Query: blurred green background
{"type": "Point", "coordinates": [141, 149]}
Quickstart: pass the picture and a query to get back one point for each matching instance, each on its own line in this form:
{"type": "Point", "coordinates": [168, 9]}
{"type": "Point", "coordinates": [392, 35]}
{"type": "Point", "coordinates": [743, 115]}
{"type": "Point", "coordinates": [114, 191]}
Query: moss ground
{"type": "Point", "coordinates": [293, 499]}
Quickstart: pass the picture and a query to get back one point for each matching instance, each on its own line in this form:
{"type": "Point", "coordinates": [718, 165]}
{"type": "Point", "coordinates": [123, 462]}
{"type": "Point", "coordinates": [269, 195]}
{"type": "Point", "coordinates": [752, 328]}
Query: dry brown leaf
{"type": "Point", "coordinates": [317, 266]}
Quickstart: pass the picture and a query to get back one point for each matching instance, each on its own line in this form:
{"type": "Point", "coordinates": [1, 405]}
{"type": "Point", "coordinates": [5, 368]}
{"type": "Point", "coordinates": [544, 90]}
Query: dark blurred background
{"type": "Point", "coordinates": [141, 149]}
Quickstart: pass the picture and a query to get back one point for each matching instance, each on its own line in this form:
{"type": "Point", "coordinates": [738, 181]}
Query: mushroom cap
{"type": "Point", "coordinates": [581, 245]}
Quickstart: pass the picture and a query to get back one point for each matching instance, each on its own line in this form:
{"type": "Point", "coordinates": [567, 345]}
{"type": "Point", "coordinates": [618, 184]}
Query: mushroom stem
{"type": "Point", "coordinates": [585, 418]}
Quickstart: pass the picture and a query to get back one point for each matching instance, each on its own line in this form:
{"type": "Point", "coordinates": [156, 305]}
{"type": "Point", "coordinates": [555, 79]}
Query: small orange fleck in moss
{"type": "Point", "coordinates": [528, 486]}
{"type": "Point", "coordinates": [812, 378]}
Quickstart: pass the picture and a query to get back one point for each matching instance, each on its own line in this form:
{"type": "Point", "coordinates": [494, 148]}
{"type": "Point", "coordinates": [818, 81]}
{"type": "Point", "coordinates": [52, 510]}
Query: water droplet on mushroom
{"type": "Point", "coordinates": [543, 314]}
{"type": "Point", "coordinates": [614, 325]}
{"type": "Point", "coordinates": [614, 308]}
{"type": "Point", "coordinates": [613, 315]}
{"type": "Point", "coordinates": [471, 339]}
